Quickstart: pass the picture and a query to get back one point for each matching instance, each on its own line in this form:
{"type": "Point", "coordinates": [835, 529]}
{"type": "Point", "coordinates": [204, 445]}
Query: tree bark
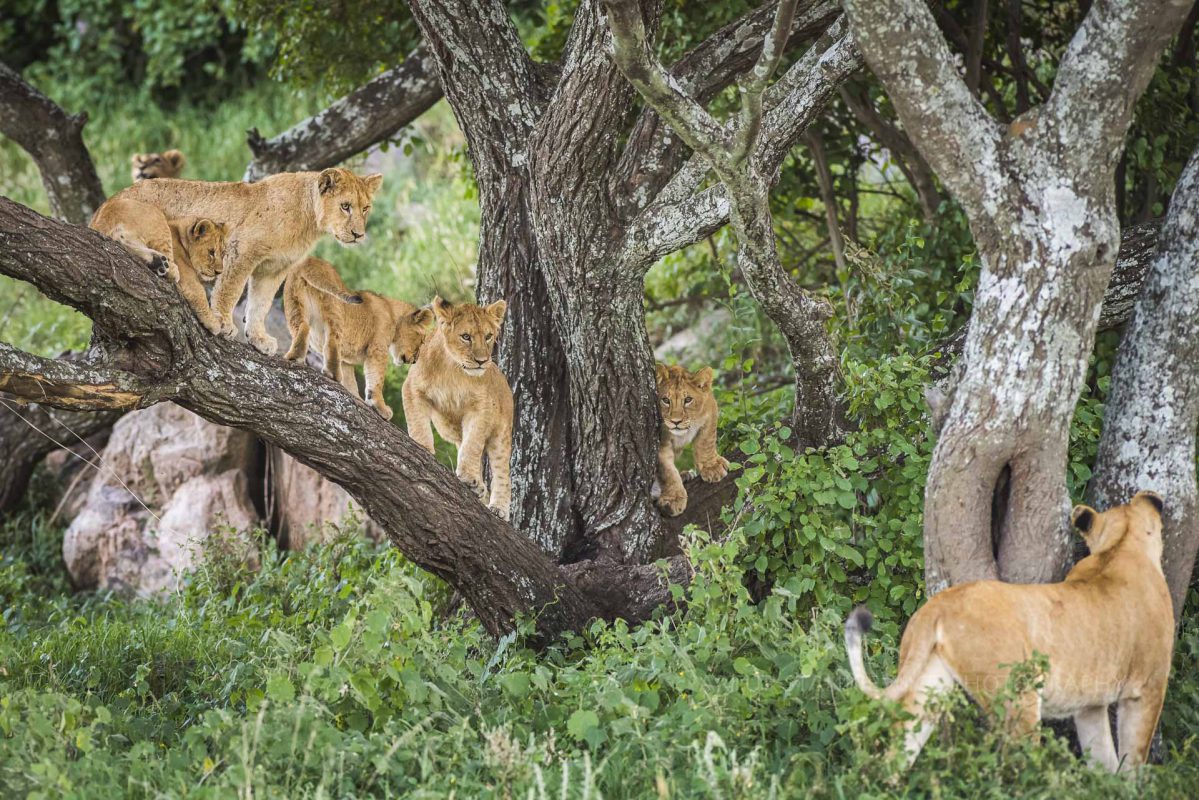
{"type": "Point", "coordinates": [1148, 439]}
{"type": "Point", "coordinates": [1039, 195]}
{"type": "Point", "coordinates": [54, 139]}
{"type": "Point", "coordinates": [165, 354]}
{"type": "Point", "coordinates": [370, 114]}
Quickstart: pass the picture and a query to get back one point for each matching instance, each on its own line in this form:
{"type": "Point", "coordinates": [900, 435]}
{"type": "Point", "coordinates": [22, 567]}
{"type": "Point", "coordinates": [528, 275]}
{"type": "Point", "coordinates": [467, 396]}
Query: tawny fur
{"type": "Point", "coordinates": [689, 414]}
{"type": "Point", "coordinates": [457, 387]}
{"type": "Point", "coordinates": [272, 225]}
{"type": "Point", "coordinates": [348, 329]}
{"type": "Point", "coordinates": [168, 164]}
{"type": "Point", "coordinates": [1107, 630]}
{"type": "Point", "coordinates": [188, 249]}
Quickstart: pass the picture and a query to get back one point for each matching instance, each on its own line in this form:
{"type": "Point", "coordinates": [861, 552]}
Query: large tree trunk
{"type": "Point", "coordinates": [54, 139]}
{"type": "Point", "coordinates": [1148, 439]}
{"type": "Point", "coordinates": [1040, 198]}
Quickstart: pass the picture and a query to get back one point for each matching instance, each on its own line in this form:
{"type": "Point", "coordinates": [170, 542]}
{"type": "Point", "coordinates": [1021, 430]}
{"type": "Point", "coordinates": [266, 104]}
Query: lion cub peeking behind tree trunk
{"type": "Point", "coordinates": [272, 225]}
{"type": "Point", "coordinates": [189, 250]}
{"type": "Point", "coordinates": [689, 413]}
{"type": "Point", "coordinates": [1107, 630]}
{"type": "Point", "coordinates": [168, 164]}
{"type": "Point", "coordinates": [457, 387]}
{"type": "Point", "coordinates": [351, 328]}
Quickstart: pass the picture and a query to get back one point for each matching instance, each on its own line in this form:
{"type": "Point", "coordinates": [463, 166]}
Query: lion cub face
{"type": "Point", "coordinates": [682, 396]}
{"type": "Point", "coordinates": [469, 332]}
{"type": "Point", "coordinates": [204, 241]}
{"type": "Point", "coordinates": [409, 336]}
{"type": "Point", "coordinates": [1140, 518]}
{"type": "Point", "coordinates": [344, 203]}
{"type": "Point", "coordinates": [157, 165]}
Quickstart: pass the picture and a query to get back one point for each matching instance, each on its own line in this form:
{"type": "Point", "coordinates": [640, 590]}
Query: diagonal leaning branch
{"type": "Point", "coordinates": [734, 152]}
{"type": "Point", "coordinates": [148, 342]}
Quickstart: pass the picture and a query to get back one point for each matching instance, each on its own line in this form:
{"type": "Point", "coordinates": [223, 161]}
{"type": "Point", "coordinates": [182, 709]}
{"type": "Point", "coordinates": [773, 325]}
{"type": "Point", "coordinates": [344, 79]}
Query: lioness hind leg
{"type": "Point", "coordinates": [1095, 737]}
{"type": "Point", "coordinates": [936, 679]}
{"type": "Point", "coordinates": [296, 311]}
{"type": "Point", "coordinates": [1136, 719]}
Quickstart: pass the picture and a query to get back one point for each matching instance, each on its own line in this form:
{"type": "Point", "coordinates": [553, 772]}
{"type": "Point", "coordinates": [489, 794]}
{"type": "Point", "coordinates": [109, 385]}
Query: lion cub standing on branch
{"type": "Point", "coordinates": [362, 328]}
{"type": "Point", "coordinates": [189, 250]}
{"type": "Point", "coordinates": [1107, 630]}
{"type": "Point", "coordinates": [689, 413]}
{"type": "Point", "coordinates": [457, 386]}
{"type": "Point", "coordinates": [272, 225]}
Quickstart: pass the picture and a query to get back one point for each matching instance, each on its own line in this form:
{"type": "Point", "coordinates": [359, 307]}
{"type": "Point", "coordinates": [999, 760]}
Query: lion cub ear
{"type": "Point", "coordinates": [661, 372]}
{"type": "Point", "coordinates": [200, 228]}
{"type": "Point", "coordinates": [496, 311]}
{"type": "Point", "coordinates": [441, 308]}
{"type": "Point", "coordinates": [176, 158]}
{"type": "Point", "coordinates": [373, 182]}
{"type": "Point", "coordinates": [1154, 499]}
{"type": "Point", "coordinates": [137, 159]}
{"type": "Point", "coordinates": [703, 379]}
{"type": "Point", "coordinates": [327, 180]}
{"type": "Point", "coordinates": [422, 317]}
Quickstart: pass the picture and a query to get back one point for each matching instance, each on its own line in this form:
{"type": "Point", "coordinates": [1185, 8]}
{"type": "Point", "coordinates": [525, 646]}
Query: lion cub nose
{"type": "Point", "coordinates": [357, 235]}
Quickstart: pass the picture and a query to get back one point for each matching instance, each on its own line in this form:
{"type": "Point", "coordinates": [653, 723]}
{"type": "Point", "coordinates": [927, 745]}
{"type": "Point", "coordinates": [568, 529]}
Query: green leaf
{"type": "Point", "coordinates": [279, 688]}
{"type": "Point", "coordinates": [340, 636]}
{"type": "Point", "coordinates": [584, 726]}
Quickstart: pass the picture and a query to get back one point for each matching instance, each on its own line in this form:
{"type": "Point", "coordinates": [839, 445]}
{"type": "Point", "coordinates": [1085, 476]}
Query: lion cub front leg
{"type": "Point", "coordinates": [673, 500]}
{"type": "Point", "coordinates": [419, 415]}
{"type": "Point", "coordinates": [712, 466]}
{"type": "Point", "coordinates": [229, 286]}
{"type": "Point", "coordinates": [193, 292]}
{"type": "Point", "coordinates": [499, 454]}
{"type": "Point", "coordinates": [376, 371]}
{"type": "Point", "coordinates": [470, 456]}
{"type": "Point", "coordinates": [263, 289]}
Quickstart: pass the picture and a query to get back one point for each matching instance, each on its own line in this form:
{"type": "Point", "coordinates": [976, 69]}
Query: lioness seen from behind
{"type": "Point", "coordinates": [1107, 631]}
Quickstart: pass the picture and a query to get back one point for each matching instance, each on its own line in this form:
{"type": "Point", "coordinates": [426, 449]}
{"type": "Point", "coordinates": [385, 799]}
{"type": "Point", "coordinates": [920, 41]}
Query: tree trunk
{"type": "Point", "coordinates": [54, 139]}
{"type": "Point", "coordinates": [1148, 439]}
{"type": "Point", "coordinates": [1040, 198]}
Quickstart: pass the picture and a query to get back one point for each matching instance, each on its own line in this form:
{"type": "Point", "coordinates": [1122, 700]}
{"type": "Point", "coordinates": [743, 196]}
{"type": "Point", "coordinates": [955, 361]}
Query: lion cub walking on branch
{"type": "Point", "coordinates": [361, 328]}
{"type": "Point", "coordinates": [689, 414]}
{"type": "Point", "coordinates": [1107, 629]}
{"type": "Point", "coordinates": [457, 386]}
{"type": "Point", "coordinates": [272, 225]}
{"type": "Point", "coordinates": [188, 249]}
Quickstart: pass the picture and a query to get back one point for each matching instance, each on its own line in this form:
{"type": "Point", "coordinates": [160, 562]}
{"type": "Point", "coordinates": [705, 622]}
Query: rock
{"type": "Point", "coordinates": [191, 477]}
{"type": "Point", "coordinates": [308, 507]}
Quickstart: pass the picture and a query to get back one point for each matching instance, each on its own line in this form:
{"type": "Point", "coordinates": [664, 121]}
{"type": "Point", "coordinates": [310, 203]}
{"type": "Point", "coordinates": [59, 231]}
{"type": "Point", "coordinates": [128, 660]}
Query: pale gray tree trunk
{"type": "Point", "coordinates": [1040, 198]}
{"type": "Point", "coordinates": [1148, 439]}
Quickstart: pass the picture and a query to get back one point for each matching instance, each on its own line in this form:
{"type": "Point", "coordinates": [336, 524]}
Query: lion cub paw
{"type": "Point", "coordinates": [673, 503]}
{"type": "Point", "coordinates": [385, 411]}
{"type": "Point", "coordinates": [500, 512]}
{"type": "Point", "coordinates": [477, 485]}
{"type": "Point", "coordinates": [265, 343]}
{"type": "Point", "coordinates": [714, 470]}
{"type": "Point", "coordinates": [226, 328]}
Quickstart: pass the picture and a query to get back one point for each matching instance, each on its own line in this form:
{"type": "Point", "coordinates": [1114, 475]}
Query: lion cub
{"type": "Point", "coordinates": [272, 225]}
{"type": "Point", "coordinates": [1107, 630]}
{"type": "Point", "coordinates": [457, 386]}
{"type": "Point", "coordinates": [689, 413]}
{"type": "Point", "coordinates": [157, 165]}
{"type": "Point", "coordinates": [188, 249]}
{"type": "Point", "coordinates": [351, 329]}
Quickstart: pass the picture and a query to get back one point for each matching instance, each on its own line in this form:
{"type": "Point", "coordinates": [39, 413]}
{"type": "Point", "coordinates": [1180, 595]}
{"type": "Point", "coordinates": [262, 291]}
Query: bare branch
{"type": "Point", "coordinates": [372, 113]}
{"type": "Point", "coordinates": [905, 49]}
{"type": "Point", "coordinates": [824, 177]}
{"type": "Point", "coordinates": [754, 86]}
{"type": "Point", "coordinates": [54, 139]}
{"type": "Point", "coordinates": [63, 384]}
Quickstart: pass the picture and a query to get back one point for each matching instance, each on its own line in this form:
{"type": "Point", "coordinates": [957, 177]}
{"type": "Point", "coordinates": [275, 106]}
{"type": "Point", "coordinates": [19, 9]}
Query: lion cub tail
{"type": "Point", "coordinates": [857, 625]}
{"type": "Point", "coordinates": [330, 284]}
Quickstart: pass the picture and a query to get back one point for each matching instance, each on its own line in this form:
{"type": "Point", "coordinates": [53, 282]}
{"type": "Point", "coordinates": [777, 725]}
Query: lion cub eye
{"type": "Point", "coordinates": [665, 401]}
{"type": "Point", "coordinates": [212, 253]}
{"type": "Point", "coordinates": [466, 337]}
{"type": "Point", "coordinates": [488, 337]}
{"type": "Point", "coordinates": [686, 401]}
{"type": "Point", "coordinates": [345, 207]}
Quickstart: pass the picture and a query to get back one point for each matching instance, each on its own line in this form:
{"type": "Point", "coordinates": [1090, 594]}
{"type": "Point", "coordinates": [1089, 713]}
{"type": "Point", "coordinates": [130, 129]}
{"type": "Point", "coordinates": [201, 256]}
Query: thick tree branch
{"type": "Point", "coordinates": [68, 385]}
{"type": "Point", "coordinates": [754, 85]}
{"type": "Point", "coordinates": [54, 139]}
{"type": "Point", "coordinates": [906, 50]}
{"type": "Point", "coordinates": [372, 113]}
{"type": "Point", "coordinates": [427, 513]}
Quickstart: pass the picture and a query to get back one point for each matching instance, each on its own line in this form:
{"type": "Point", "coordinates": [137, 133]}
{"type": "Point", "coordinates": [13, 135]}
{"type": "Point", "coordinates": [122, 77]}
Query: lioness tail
{"type": "Point", "coordinates": [858, 624]}
{"type": "Point", "coordinates": [318, 282]}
